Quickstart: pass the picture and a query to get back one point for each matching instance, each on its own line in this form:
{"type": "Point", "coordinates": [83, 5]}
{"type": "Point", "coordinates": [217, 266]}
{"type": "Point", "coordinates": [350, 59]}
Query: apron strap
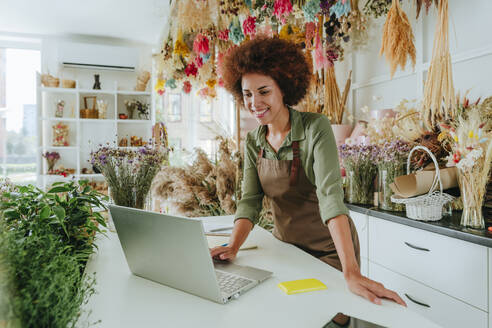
{"type": "Point", "coordinates": [260, 155]}
{"type": "Point", "coordinates": [296, 163]}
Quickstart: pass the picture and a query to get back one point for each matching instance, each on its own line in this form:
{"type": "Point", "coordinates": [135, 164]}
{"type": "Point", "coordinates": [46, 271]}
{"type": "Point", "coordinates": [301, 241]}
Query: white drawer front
{"type": "Point", "coordinates": [450, 265]}
{"type": "Point", "coordinates": [360, 221]}
{"type": "Point", "coordinates": [442, 309]}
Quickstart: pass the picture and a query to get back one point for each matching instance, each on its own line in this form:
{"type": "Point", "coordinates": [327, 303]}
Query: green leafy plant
{"type": "Point", "coordinates": [45, 241]}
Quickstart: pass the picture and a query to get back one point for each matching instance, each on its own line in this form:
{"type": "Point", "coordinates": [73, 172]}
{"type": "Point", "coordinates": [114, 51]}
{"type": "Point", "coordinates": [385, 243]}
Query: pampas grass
{"type": "Point", "coordinates": [439, 97]}
{"type": "Point", "coordinates": [398, 39]}
{"type": "Point", "coordinates": [202, 188]}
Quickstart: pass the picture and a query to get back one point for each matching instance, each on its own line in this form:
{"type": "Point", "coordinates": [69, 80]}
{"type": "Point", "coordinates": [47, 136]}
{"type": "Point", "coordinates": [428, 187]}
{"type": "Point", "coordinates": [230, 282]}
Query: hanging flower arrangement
{"type": "Point", "coordinates": [223, 35]}
{"type": "Point", "coordinates": [180, 47]}
{"type": "Point", "coordinates": [282, 9]}
{"type": "Point", "coordinates": [201, 44]}
{"type": "Point", "coordinates": [171, 84]}
{"type": "Point", "coordinates": [398, 38]}
{"type": "Point", "coordinates": [186, 87]}
{"type": "Point", "coordinates": [235, 31]}
{"type": "Point", "coordinates": [341, 8]}
{"type": "Point", "coordinates": [311, 10]}
{"type": "Point", "coordinates": [191, 69]}
{"type": "Point", "coordinates": [249, 26]}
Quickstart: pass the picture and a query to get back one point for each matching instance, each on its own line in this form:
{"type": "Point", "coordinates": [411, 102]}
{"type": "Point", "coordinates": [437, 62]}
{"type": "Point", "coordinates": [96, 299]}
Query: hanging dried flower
{"type": "Point", "coordinates": [159, 85]}
{"type": "Point", "coordinates": [204, 92]}
{"type": "Point", "coordinates": [171, 83]}
{"type": "Point", "coordinates": [428, 4]}
{"type": "Point", "coordinates": [186, 87]}
{"type": "Point", "coordinates": [341, 8]}
{"type": "Point", "coordinates": [377, 8]}
{"type": "Point", "coordinates": [180, 47]}
{"type": "Point", "coordinates": [249, 26]}
{"type": "Point", "coordinates": [311, 9]}
{"type": "Point", "coordinates": [398, 38]}
{"type": "Point", "coordinates": [320, 59]}
{"type": "Point", "coordinates": [191, 69]}
{"type": "Point", "coordinates": [325, 6]}
{"type": "Point", "coordinates": [356, 26]}
{"type": "Point", "coordinates": [200, 45]}
{"type": "Point", "coordinates": [235, 31]}
{"type": "Point", "coordinates": [310, 30]}
{"type": "Point", "coordinates": [282, 9]}
{"type": "Point", "coordinates": [198, 61]}
{"type": "Point", "coordinates": [223, 35]}
{"type": "Point", "coordinates": [439, 102]}
{"type": "Point", "coordinates": [211, 83]}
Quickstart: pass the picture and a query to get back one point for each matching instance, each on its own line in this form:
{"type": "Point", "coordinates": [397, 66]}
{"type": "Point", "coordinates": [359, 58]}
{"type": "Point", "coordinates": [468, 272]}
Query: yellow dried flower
{"type": "Point", "coordinates": [180, 47]}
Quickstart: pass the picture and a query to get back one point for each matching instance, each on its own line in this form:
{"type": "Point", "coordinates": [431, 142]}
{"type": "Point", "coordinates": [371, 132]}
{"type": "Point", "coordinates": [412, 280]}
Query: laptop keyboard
{"type": "Point", "coordinates": [230, 283]}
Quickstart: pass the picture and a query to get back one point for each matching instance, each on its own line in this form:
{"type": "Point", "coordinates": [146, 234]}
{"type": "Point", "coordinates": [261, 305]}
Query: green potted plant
{"type": "Point", "coordinates": [45, 242]}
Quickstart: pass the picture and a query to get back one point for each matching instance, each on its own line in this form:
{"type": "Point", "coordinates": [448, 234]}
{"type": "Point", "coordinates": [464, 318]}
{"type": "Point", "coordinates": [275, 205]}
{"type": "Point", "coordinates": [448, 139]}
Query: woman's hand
{"type": "Point", "coordinates": [223, 253]}
{"type": "Point", "coordinates": [370, 289]}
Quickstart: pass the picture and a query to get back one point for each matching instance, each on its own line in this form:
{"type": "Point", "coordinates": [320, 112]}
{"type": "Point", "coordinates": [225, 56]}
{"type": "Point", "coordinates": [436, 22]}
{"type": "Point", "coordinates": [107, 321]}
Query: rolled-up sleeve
{"type": "Point", "coordinates": [327, 173]}
{"type": "Point", "coordinates": [250, 205]}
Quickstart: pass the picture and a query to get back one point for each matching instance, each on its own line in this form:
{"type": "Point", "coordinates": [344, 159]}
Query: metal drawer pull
{"type": "Point", "coordinates": [417, 302]}
{"type": "Point", "coordinates": [416, 247]}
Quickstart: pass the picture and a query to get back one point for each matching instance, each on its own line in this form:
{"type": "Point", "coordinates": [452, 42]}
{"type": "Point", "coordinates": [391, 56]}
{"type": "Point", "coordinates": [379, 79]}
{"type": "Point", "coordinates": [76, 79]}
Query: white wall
{"type": "Point", "coordinates": [470, 24]}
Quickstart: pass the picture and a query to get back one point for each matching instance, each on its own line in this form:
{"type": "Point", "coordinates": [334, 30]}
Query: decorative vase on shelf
{"type": "Point", "coordinates": [130, 108]}
{"type": "Point", "coordinates": [60, 106]}
{"type": "Point", "coordinates": [472, 199]}
{"type": "Point", "coordinates": [97, 84]}
{"type": "Point", "coordinates": [341, 132]}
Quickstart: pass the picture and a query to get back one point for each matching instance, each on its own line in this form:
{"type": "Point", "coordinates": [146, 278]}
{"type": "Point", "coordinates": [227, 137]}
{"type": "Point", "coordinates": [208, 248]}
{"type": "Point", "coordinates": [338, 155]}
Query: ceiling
{"type": "Point", "coordinates": [134, 20]}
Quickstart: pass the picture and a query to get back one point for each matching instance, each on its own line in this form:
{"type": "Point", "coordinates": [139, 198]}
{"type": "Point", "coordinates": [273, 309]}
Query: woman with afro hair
{"type": "Point", "coordinates": [292, 158]}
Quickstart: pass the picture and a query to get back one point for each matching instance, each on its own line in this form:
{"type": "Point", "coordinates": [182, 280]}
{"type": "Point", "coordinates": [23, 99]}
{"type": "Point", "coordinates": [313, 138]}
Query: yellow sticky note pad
{"type": "Point", "coordinates": [301, 286]}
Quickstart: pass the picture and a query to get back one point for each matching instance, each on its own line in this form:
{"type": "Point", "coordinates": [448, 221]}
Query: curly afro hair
{"type": "Point", "coordinates": [281, 60]}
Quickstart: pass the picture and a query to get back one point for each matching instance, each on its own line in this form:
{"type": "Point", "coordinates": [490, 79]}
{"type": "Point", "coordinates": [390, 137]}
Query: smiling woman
{"type": "Point", "coordinates": [292, 159]}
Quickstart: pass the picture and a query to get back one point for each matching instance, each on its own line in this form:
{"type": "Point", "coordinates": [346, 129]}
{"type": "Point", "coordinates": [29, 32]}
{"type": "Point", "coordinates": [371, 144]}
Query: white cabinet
{"type": "Point", "coordinates": [442, 278]}
{"type": "Point", "coordinates": [85, 135]}
{"type": "Point", "coordinates": [442, 309]}
{"type": "Point", "coordinates": [450, 265]}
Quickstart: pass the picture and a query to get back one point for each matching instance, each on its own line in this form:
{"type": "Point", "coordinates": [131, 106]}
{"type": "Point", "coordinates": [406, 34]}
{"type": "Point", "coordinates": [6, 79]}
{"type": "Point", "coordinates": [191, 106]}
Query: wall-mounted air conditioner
{"type": "Point", "coordinates": [95, 56]}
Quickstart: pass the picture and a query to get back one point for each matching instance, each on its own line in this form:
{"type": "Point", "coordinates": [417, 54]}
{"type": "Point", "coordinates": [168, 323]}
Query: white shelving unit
{"type": "Point", "coordinates": [85, 135]}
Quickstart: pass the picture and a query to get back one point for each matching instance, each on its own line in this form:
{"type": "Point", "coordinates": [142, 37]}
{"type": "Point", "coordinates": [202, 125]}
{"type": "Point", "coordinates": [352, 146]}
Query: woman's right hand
{"type": "Point", "coordinates": [223, 253]}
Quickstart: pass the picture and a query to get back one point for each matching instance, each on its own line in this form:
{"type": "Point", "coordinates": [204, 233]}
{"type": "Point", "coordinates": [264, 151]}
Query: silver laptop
{"type": "Point", "coordinates": [174, 251]}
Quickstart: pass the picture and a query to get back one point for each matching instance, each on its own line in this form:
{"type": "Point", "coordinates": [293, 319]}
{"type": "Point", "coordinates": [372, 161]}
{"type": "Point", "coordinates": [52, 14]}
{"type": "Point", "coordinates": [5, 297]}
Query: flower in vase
{"type": "Point", "coordinates": [129, 173]}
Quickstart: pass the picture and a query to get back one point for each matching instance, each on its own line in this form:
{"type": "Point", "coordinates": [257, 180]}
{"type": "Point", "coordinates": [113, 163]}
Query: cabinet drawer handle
{"type": "Point", "coordinates": [416, 302]}
{"type": "Point", "coordinates": [416, 247]}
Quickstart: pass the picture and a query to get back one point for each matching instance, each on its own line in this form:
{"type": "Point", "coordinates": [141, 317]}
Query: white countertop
{"type": "Point", "coordinates": [125, 300]}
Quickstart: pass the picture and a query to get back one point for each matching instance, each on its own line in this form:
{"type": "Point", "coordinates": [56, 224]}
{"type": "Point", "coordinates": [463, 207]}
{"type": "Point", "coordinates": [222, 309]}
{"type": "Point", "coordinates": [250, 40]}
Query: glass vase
{"type": "Point", "coordinates": [387, 172]}
{"type": "Point", "coordinates": [472, 199]}
{"type": "Point", "coordinates": [360, 183]}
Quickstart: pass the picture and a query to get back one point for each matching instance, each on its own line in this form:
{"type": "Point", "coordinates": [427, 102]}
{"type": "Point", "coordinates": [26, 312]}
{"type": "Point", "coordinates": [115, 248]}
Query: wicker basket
{"type": "Point", "coordinates": [425, 207]}
{"type": "Point", "coordinates": [50, 81]}
{"type": "Point", "coordinates": [68, 84]}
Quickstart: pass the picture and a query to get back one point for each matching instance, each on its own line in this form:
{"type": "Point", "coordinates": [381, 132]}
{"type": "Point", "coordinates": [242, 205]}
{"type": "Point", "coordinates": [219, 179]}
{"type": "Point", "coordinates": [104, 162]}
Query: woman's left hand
{"type": "Point", "coordinates": [370, 289]}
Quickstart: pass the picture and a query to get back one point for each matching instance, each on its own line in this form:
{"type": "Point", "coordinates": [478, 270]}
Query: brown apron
{"type": "Point", "coordinates": [296, 210]}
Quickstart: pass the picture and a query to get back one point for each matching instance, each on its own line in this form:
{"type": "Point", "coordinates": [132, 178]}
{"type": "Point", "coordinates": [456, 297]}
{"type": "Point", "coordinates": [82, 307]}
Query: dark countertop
{"type": "Point", "coordinates": [447, 226]}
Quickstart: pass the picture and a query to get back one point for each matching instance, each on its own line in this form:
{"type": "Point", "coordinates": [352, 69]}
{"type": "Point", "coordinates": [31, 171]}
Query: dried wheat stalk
{"type": "Point", "coordinates": [332, 95]}
{"type": "Point", "coordinates": [438, 102]}
{"type": "Point", "coordinates": [398, 39]}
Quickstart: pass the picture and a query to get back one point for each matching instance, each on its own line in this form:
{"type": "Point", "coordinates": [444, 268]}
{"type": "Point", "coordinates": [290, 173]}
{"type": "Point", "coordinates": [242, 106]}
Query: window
{"type": "Point", "coordinates": [207, 145]}
{"type": "Point", "coordinates": [175, 143]}
{"type": "Point", "coordinates": [205, 111]}
{"type": "Point", "coordinates": [18, 127]}
{"type": "Point", "coordinates": [174, 114]}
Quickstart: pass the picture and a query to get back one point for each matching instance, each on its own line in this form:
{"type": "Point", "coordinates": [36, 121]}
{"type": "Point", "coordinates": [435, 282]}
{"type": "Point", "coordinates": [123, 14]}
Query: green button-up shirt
{"type": "Point", "coordinates": [319, 158]}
